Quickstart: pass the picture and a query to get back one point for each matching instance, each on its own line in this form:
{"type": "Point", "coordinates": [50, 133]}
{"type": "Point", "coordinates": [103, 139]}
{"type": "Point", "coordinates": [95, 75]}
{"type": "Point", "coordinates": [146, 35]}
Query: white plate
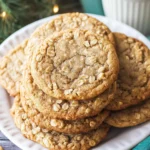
{"type": "Point", "coordinates": [118, 139]}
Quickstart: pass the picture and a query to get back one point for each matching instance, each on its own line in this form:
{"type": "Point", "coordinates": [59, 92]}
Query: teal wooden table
{"type": "Point", "coordinates": [144, 145]}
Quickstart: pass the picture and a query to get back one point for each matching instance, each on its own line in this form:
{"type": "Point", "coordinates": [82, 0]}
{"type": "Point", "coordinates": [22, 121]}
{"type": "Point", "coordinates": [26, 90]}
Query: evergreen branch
{"type": "Point", "coordinates": [22, 12]}
{"type": "Point", "coordinates": [70, 6]}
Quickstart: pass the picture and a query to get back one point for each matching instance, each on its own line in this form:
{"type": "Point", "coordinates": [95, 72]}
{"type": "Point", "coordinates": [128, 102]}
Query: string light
{"type": "Point", "coordinates": [55, 8]}
{"type": "Point", "coordinates": [3, 14]}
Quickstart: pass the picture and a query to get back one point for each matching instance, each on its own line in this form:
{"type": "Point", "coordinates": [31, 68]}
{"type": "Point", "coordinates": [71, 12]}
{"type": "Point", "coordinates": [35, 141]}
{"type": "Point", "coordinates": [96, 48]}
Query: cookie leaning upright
{"type": "Point", "coordinates": [11, 68]}
{"type": "Point", "coordinates": [74, 65]}
{"type": "Point", "coordinates": [69, 21]}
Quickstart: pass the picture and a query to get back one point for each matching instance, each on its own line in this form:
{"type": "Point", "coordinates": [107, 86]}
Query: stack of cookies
{"type": "Point", "coordinates": [67, 83]}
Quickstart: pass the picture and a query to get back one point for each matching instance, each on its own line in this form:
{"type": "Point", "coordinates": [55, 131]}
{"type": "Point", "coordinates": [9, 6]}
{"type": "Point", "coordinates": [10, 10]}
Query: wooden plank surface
{"type": "Point", "coordinates": [6, 144]}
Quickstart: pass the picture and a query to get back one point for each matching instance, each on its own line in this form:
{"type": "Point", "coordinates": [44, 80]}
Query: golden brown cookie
{"type": "Point", "coordinates": [69, 21]}
{"type": "Point", "coordinates": [65, 126]}
{"type": "Point", "coordinates": [130, 116]}
{"type": "Point", "coordinates": [11, 67]}
{"type": "Point", "coordinates": [74, 65]}
{"type": "Point", "coordinates": [54, 140]}
{"type": "Point", "coordinates": [63, 109]}
{"type": "Point", "coordinates": [133, 84]}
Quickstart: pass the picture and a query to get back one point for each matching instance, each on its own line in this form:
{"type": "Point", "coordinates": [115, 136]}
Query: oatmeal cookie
{"type": "Point", "coordinates": [74, 65]}
{"type": "Point", "coordinates": [65, 126]}
{"type": "Point", "coordinates": [70, 21]}
{"type": "Point", "coordinates": [131, 116]}
{"type": "Point", "coordinates": [64, 109]}
{"type": "Point", "coordinates": [133, 84]}
{"type": "Point", "coordinates": [54, 140]}
{"type": "Point", "coordinates": [11, 67]}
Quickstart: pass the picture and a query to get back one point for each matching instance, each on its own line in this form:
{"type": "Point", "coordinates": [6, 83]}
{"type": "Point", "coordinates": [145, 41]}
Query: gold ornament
{"type": "Point", "coordinates": [3, 14]}
{"type": "Point", "coordinates": [55, 8]}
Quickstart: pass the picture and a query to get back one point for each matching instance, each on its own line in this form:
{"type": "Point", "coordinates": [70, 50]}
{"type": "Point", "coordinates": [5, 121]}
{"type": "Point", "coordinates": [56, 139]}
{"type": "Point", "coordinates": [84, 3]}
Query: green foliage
{"type": "Point", "coordinates": [20, 13]}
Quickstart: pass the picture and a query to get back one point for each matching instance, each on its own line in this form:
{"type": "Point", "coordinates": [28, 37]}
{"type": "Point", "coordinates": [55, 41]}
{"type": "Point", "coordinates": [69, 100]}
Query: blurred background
{"type": "Point", "coordinates": [14, 14]}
